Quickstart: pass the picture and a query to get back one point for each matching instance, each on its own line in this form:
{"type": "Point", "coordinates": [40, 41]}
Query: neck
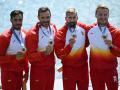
{"type": "Point", "coordinates": [101, 25]}
{"type": "Point", "coordinates": [17, 29]}
{"type": "Point", "coordinates": [46, 27]}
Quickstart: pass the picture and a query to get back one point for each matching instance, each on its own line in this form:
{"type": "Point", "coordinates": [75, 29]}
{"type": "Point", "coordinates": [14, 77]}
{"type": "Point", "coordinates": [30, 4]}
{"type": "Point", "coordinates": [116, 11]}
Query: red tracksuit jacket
{"type": "Point", "coordinates": [38, 58]}
{"type": "Point", "coordinates": [9, 62]}
{"type": "Point", "coordinates": [63, 51]}
{"type": "Point", "coordinates": [105, 59]}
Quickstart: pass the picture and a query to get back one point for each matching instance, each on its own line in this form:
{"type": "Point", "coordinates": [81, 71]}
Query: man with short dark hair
{"type": "Point", "coordinates": [13, 59]}
{"type": "Point", "coordinates": [104, 49]}
{"type": "Point", "coordinates": [40, 46]}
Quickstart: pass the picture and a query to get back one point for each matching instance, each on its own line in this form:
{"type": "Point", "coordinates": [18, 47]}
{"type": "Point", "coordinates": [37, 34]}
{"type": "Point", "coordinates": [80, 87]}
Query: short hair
{"type": "Point", "coordinates": [71, 10]}
{"type": "Point", "coordinates": [15, 12]}
{"type": "Point", "coordinates": [102, 6]}
{"type": "Point", "coordinates": [43, 9]}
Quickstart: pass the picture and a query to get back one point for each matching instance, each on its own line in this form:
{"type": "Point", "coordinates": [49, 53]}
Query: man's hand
{"type": "Point", "coordinates": [60, 69]}
{"type": "Point", "coordinates": [46, 50]}
{"type": "Point", "coordinates": [49, 49]}
{"type": "Point", "coordinates": [20, 55]}
{"type": "Point", "coordinates": [41, 49]}
{"type": "Point", "coordinates": [108, 43]}
{"type": "Point", "coordinates": [25, 78]}
{"type": "Point", "coordinates": [72, 40]}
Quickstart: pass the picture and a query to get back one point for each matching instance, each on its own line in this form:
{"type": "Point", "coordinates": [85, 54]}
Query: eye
{"type": "Point", "coordinates": [105, 14]}
{"type": "Point", "coordinates": [74, 17]}
{"type": "Point", "coordinates": [15, 20]}
{"type": "Point", "coordinates": [42, 17]}
{"type": "Point", "coordinates": [100, 14]}
{"type": "Point", "coordinates": [20, 19]}
{"type": "Point", "coordinates": [69, 17]}
{"type": "Point", "coordinates": [48, 17]}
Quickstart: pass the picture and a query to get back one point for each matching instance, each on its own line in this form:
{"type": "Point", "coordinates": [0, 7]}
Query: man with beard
{"type": "Point", "coordinates": [104, 49]}
{"type": "Point", "coordinates": [13, 59]}
{"type": "Point", "coordinates": [70, 47]}
{"type": "Point", "coordinates": [40, 46]}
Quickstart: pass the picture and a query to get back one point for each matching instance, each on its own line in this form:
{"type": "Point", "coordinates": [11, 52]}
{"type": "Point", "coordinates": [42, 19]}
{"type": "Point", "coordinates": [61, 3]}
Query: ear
{"type": "Point", "coordinates": [77, 17]}
{"type": "Point", "coordinates": [108, 15]}
{"type": "Point", "coordinates": [10, 20]}
{"type": "Point", "coordinates": [38, 18]}
{"type": "Point", "coordinates": [65, 18]}
{"type": "Point", "coordinates": [96, 15]}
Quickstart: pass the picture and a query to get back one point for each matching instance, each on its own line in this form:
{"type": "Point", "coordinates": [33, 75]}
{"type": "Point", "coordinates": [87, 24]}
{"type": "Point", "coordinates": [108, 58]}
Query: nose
{"type": "Point", "coordinates": [19, 21]}
{"type": "Point", "coordinates": [103, 16]}
{"type": "Point", "coordinates": [72, 19]}
{"type": "Point", "coordinates": [46, 19]}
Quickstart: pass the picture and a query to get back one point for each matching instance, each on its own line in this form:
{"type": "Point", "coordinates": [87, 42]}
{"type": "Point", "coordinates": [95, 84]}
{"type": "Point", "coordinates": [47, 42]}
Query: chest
{"type": "Point", "coordinates": [97, 37]}
{"type": "Point", "coordinates": [45, 36]}
{"type": "Point", "coordinates": [15, 44]}
{"type": "Point", "coordinates": [80, 37]}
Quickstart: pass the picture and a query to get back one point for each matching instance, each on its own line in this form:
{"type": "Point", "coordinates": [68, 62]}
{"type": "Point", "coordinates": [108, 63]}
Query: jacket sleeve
{"type": "Point", "coordinates": [5, 58]}
{"type": "Point", "coordinates": [115, 49]}
{"type": "Point", "coordinates": [3, 47]}
{"type": "Point", "coordinates": [61, 49]}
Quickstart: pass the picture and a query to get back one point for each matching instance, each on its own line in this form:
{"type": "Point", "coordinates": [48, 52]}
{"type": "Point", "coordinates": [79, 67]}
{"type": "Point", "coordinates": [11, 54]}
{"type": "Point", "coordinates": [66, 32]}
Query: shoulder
{"type": "Point", "coordinates": [61, 33]}
{"type": "Point", "coordinates": [33, 30]}
{"type": "Point", "coordinates": [83, 25]}
{"type": "Point", "coordinates": [53, 26]}
{"type": "Point", "coordinates": [63, 28]}
{"type": "Point", "coordinates": [23, 30]}
{"type": "Point", "coordinates": [92, 27]}
{"type": "Point", "coordinates": [113, 30]}
{"type": "Point", "coordinates": [6, 33]}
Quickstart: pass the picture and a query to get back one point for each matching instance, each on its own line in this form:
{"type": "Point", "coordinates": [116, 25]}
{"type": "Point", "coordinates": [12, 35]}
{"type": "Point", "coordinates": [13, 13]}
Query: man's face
{"type": "Point", "coordinates": [17, 21]}
{"type": "Point", "coordinates": [44, 18]}
{"type": "Point", "coordinates": [71, 19]}
{"type": "Point", "coordinates": [102, 16]}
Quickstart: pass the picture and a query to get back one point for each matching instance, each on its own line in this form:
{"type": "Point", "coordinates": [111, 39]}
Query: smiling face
{"type": "Point", "coordinates": [16, 21]}
{"type": "Point", "coordinates": [102, 15]}
{"type": "Point", "coordinates": [44, 18]}
{"type": "Point", "coordinates": [71, 18]}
